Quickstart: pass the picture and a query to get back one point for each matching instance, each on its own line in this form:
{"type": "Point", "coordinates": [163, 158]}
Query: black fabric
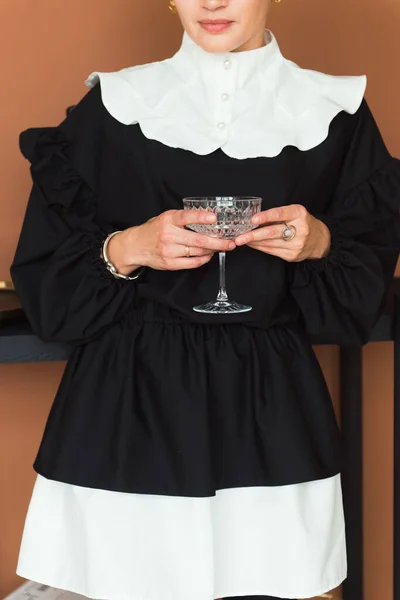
{"type": "Point", "coordinates": [157, 398]}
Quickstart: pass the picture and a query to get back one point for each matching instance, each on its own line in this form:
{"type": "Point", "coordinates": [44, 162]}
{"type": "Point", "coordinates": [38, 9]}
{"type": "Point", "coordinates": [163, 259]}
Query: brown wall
{"type": "Point", "coordinates": [47, 50]}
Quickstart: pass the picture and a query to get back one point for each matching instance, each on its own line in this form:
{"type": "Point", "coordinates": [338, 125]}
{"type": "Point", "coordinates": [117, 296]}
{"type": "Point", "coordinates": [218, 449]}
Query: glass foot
{"type": "Point", "coordinates": [222, 307]}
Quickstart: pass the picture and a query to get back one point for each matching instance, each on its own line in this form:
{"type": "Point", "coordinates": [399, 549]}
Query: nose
{"type": "Point", "coordinates": [214, 4]}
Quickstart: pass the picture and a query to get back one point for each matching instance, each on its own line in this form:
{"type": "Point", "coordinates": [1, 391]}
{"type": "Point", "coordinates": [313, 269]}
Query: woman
{"type": "Point", "coordinates": [189, 454]}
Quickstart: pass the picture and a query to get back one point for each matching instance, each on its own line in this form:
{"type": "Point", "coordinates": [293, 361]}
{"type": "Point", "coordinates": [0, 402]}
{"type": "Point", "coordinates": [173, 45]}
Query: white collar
{"type": "Point", "coordinates": [250, 104]}
{"type": "Point", "coordinates": [242, 65]}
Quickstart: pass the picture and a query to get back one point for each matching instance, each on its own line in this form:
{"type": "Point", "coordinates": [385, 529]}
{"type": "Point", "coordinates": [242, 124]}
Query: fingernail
{"type": "Point", "coordinates": [210, 218]}
{"type": "Point", "coordinates": [256, 219]}
{"type": "Point", "coordinates": [232, 246]}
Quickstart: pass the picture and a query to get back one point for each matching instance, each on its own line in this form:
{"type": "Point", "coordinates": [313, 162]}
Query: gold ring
{"type": "Point", "coordinates": [289, 232]}
{"type": "Point", "coordinates": [187, 251]}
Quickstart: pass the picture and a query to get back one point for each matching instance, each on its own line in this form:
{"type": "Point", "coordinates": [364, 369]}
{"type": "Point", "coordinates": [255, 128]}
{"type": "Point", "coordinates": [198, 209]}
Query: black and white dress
{"type": "Point", "coordinates": [189, 455]}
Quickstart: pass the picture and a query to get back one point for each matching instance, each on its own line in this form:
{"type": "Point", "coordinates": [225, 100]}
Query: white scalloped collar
{"type": "Point", "coordinates": [250, 104]}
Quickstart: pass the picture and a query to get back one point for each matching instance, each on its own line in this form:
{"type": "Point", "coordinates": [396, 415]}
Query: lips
{"type": "Point", "coordinates": [215, 26]}
{"type": "Point", "coordinates": [215, 21]}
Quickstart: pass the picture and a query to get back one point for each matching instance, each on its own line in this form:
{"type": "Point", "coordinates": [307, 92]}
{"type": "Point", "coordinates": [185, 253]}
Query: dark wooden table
{"type": "Point", "coordinates": [18, 344]}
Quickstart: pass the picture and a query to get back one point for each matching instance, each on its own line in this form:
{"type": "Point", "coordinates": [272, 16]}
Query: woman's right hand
{"type": "Point", "coordinates": [161, 243]}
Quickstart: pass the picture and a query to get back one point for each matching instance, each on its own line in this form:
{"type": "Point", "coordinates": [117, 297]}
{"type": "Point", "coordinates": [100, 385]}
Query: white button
{"type": "Point", "coordinates": [227, 64]}
{"type": "Point", "coordinates": [224, 97]}
{"type": "Point", "coordinates": [221, 125]}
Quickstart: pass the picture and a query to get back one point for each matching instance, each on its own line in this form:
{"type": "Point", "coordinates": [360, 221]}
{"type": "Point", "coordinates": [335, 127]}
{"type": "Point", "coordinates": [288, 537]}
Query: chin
{"type": "Point", "coordinates": [212, 42]}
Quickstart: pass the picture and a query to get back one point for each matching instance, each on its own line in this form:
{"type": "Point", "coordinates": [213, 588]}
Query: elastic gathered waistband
{"type": "Point", "coordinates": [154, 312]}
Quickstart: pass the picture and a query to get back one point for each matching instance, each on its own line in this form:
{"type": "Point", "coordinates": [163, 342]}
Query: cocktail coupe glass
{"type": "Point", "coordinates": [234, 215]}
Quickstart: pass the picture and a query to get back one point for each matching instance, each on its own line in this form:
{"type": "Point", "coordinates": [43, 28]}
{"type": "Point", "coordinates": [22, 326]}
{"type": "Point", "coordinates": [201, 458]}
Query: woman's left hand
{"type": "Point", "coordinates": [312, 239]}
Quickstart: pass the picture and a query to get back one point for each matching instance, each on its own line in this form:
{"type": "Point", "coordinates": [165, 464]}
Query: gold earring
{"type": "Point", "coordinates": [172, 6]}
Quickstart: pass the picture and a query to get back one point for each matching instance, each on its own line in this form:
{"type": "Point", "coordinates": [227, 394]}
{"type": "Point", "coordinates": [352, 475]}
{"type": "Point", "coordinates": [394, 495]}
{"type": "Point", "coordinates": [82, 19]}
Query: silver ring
{"type": "Point", "coordinates": [288, 233]}
{"type": "Point", "coordinates": [187, 252]}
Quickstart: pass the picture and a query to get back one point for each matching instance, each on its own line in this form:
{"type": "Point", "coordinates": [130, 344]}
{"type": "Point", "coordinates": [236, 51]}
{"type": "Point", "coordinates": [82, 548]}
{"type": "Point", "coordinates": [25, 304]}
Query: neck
{"type": "Point", "coordinates": [257, 41]}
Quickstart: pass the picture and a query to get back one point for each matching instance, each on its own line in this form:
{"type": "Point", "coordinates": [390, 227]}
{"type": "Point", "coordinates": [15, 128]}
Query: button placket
{"type": "Point", "coordinates": [223, 113]}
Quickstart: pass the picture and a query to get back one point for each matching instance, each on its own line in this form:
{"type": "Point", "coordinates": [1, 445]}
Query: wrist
{"type": "Point", "coordinates": [118, 253]}
{"type": "Point", "coordinates": [325, 241]}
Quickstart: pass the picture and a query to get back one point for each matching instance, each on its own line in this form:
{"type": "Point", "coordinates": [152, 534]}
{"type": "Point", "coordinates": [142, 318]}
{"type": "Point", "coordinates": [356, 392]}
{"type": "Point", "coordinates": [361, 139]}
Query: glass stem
{"type": "Point", "coordinates": [222, 295]}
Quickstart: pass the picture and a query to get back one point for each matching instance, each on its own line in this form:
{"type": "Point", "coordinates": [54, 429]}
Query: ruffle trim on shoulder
{"type": "Point", "coordinates": [48, 151]}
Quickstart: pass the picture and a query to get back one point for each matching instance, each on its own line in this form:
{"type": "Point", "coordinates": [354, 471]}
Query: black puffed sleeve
{"type": "Point", "coordinates": [341, 296]}
{"type": "Point", "coordinates": [65, 289]}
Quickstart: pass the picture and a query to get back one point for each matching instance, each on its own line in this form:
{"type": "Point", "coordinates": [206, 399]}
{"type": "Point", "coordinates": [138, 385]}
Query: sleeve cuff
{"type": "Point", "coordinates": [94, 242]}
{"type": "Point", "coordinates": [334, 256]}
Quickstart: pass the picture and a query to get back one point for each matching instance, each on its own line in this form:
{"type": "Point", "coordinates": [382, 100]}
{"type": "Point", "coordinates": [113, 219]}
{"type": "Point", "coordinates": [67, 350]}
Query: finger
{"type": "Point", "coordinates": [189, 263]}
{"type": "Point", "coordinates": [294, 245]}
{"type": "Point", "coordinates": [287, 255]}
{"type": "Point", "coordinates": [182, 218]}
{"type": "Point", "coordinates": [197, 240]}
{"type": "Point", "coordinates": [268, 232]}
{"type": "Point", "coordinates": [280, 213]}
{"type": "Point", "coordinates": [295, 248]}
{"type": "Point", "coordinates": [179, 251]}
{"type": "Point", "coordinates": [173, 235]}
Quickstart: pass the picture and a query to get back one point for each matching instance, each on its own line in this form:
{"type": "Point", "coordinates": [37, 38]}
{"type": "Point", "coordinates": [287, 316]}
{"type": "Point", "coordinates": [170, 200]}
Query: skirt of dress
{"type": "Point", "coordinates": [283, 541]}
